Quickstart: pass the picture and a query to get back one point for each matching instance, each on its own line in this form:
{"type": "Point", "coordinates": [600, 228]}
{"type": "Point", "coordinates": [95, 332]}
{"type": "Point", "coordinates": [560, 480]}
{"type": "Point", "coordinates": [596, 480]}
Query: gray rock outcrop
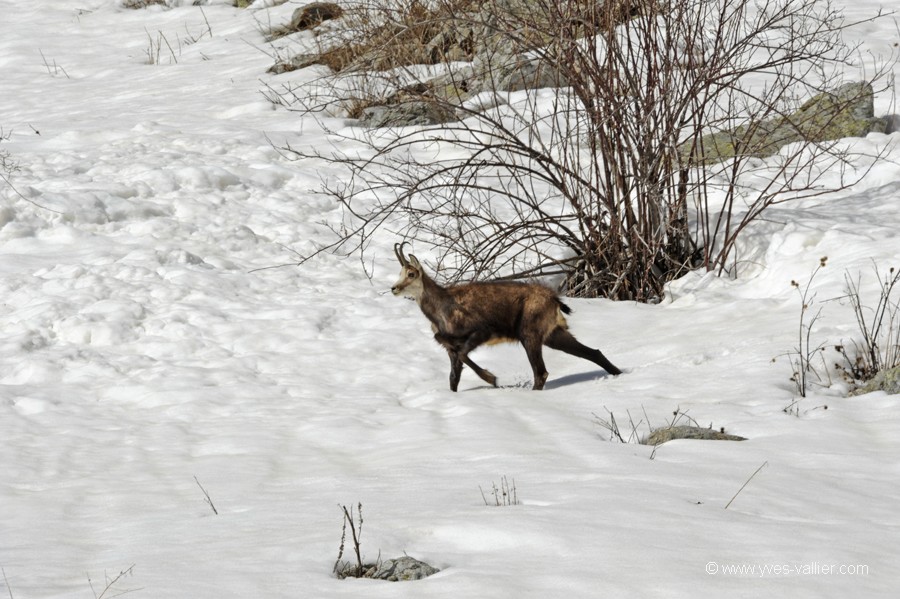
{"type": "Point", "coordinates": [402, 568]}
{"type": "Point", "coordinates": [670, 433]}
{"type": "Point", "coordinates": [887, 380]}
{"type": "Point", "coordinates": [405, 114]}
{"type": "Point", "coordinates": [847, 111]}
{"type": "Point", "coordinates": [311, 15]}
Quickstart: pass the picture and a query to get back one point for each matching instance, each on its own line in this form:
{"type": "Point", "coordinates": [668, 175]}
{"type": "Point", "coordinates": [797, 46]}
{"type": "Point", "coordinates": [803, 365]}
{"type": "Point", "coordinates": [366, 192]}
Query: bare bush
{"type": "Point", "coordinates": [344, 569]}
{"type": "Point", "coordinates": [611, 425]}
{"type": "Point", "coordinates": [112, 584]}
{"type": "Point", "coordinates": [879, 328]}
{"type": "Point", "coordinates": [504, 495]}
{"type": "Point", "coordinates": [804, 352]}
{"type": "Point", "coordinates": [8, 165]}
{"type": "Point", "coordinates": [649, 158]}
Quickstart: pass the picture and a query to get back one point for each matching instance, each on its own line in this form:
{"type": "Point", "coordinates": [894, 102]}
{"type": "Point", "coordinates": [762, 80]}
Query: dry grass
{"type": "Point", "coordinates": [379, 35]}
{"type": "Point", "coordinates": [138, 4]}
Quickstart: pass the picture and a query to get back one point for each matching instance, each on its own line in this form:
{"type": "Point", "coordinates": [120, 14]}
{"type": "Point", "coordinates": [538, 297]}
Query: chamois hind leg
{"type": "Point", "coordinates": [563, 340]}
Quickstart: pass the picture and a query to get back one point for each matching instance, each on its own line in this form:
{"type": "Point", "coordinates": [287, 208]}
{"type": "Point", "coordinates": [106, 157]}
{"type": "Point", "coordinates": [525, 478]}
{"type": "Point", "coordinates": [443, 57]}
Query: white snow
{"type": "Point", "coordinates": [140, 347]}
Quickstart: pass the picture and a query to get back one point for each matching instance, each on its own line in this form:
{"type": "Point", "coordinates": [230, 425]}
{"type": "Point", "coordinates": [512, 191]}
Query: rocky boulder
{"type": "Point", "coordinates": [307, 17]}
{"type": "Point", "coordinates": [670, 433]}
{"type": "Point", "coordinates": [887, 380]}
{"type": "Point", "coordinates": [405, 114]}
{"type": "Point", "coordinates": [311, 15]}
{"type": "Point", "coordinates": [398, 569]}
{"type": "Point", "coordinates": [402, 568]}
{"type": "Point", "coordinates": [848, 111]}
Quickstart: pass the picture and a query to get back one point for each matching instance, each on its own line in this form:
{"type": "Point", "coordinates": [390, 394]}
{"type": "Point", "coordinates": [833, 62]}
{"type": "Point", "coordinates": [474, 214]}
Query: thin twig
{"type": "Point", "coordinates": [110, 583]}
{"type": "Point", "coordinates": [337, 563]}
{"type": "Point", "coordinates": [208, 499]}
{"type": "Point", "coordinates": [764, 464]}
{"type": "Point", "coordinates": [6, 180]}
{"type": "Point", "coordinates": [355, 533]}
{"type": "Point", "coordinates": [5, 580]}
{"type": "Point", "coordinates": [56, 67]}
{"type": "Point", "coordinates": [206, 20]}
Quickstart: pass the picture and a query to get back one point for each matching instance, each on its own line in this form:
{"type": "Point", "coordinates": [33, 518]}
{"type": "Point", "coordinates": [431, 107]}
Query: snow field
{"type": "Point", "coordinates": [141, 347]}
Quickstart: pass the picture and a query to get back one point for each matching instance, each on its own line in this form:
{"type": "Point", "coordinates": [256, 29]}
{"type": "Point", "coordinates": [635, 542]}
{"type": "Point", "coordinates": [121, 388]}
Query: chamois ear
{"type": "Point", "coordinates": [414, 262]}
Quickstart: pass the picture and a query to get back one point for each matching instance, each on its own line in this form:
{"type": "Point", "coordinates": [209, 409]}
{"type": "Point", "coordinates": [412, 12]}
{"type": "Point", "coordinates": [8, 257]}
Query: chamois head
{"type": "Point", "coordinates": [410, 282]}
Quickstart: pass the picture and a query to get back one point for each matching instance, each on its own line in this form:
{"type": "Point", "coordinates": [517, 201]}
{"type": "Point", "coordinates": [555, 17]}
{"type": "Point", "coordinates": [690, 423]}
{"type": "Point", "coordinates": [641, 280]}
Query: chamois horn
{"type": "Point", "coordinates": [398, 251]}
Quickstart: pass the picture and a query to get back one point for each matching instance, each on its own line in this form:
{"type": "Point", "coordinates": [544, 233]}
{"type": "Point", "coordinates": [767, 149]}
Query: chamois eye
{"type": "Point", "coordinates": [411, 275]}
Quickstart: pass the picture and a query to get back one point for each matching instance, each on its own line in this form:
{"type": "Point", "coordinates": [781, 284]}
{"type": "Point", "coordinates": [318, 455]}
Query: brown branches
{"type": "Point", "coordinates": [355, 522]}
{"type": "Point", "coordinates": [662, 140]}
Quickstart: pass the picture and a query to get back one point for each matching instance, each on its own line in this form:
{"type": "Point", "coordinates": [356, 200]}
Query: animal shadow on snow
{"type": "Point", "coordinates": [563, 381]}
{"type": "Point", "coordinates": [579, 377]}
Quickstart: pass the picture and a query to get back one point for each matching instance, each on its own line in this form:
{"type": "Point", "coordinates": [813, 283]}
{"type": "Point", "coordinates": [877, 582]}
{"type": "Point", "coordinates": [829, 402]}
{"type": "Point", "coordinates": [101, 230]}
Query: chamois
{"type": "Point", "coordinates": [466, 316]}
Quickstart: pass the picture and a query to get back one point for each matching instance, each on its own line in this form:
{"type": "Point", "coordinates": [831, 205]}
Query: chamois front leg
{"type": "Point", "coordinates": [455, 370]}
{"type": "Point", "coordinates": [461, 349]}
{"type": "Point", "coordinates": [483, 374]}
{"type": "Point", "coordinates": [456, 362]}
{"type": "Point", "coordinates": [470, 344]}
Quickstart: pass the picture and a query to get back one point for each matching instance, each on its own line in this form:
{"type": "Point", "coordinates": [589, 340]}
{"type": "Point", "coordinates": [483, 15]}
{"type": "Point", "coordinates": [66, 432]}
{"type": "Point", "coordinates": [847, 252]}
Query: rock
{"type": "Point", "coordinates": [847, 111]}
{"type": "Point", "coordinates": [402, 568]}
{"type": "Point", "coordinates": [508, 73]}
{"type": "Point", "coordinates": [314, 14]}
{"type": "Point", "coordinates": [405, 114]}
{"type": "Point", "coordinates": [503, 60]}
{"type": "Point", "coordinates": [307, 17]}
{"type": "Point", "coordinates": [452, 88]}
{"type": "Point", "coordinates": [300, 61]}
{"type": "Point", "coordinates": [887, 380]}
{"type": "Point", "coordinates": [530, 74]}
{"type": "Point", "coordinates": [336, 59]}
{"type": "Point", "coordinates": [891, 123]}
{"type": "Point", "coordinates": [670, 433]}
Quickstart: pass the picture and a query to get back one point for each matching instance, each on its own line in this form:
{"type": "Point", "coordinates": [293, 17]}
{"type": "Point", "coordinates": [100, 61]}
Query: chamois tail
{"type": "Point", "coordinates": [562, 340]}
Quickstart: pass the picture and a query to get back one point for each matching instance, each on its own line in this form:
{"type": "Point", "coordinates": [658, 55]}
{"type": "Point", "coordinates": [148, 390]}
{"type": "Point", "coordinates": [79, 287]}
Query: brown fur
{"type": "Point", "coordinates": [466, 316]}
